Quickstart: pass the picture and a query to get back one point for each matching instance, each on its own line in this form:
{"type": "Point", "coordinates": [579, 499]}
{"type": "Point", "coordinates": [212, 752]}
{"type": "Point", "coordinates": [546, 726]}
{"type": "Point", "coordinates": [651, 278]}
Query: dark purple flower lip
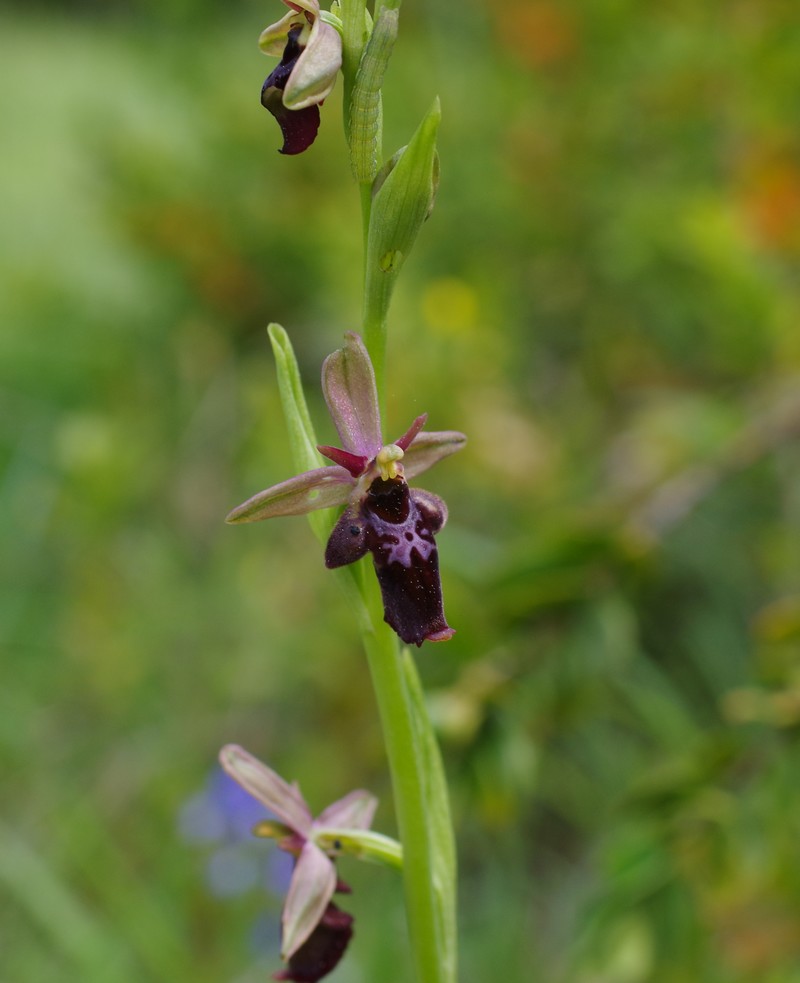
{"type": "Point", "coordinates": [397, 526]}
{"type": "Point", "coordinates": [323, 950]}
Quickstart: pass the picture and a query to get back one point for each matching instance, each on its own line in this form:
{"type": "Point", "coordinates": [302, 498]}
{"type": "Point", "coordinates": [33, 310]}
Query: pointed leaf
{"type": "Point", "coordinates": [356, 811]}
{"type": "Point", "coordinates": [319, 489]}
{"type": "Point", "coordinates": [400, 206]}
{"type": "Point", "coordinates": [281, 798]}
{"type": "Point", "coordinates": [302, 439]}
{"type": "Point", "coordinates": [312, 887]}
{"type": "Point", "coordinates": [348, 382]}
{"type": "Point", "coordinates": [429, 447]}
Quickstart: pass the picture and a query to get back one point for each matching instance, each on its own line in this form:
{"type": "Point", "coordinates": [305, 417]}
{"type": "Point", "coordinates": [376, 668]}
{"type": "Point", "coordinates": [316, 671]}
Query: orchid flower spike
{"type": "Point", "coordinates": [310, 52]}
{"type": "Point", "coordinates": [384, 517]}
{"type": "Point", "coordinates": [314, 932]}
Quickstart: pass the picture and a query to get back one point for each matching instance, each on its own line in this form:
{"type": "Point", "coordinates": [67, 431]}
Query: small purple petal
{"type": "Point", "coordinates": [348, 381]}
{"type": "Point", "coordinates": [317, 489]}
{"type": "Point", "coordinates": [312, 887]}
{"type": "Point", "coordinates": [348, 540]}
{"type": "Point", "coordinates": [354, 463]}
{"type": "Point", "coordinates": [323, 949]}
{"type": "Point", "coordinates": [433, 509]}
{"type": "Point", "coordinates": [412, 432]}
{"type": "Point", "coordinates": [429, 447]}
{"type": "Point", "coordinates": [284, 800]}
{"type": "Point", "coordinates": [355, 811]}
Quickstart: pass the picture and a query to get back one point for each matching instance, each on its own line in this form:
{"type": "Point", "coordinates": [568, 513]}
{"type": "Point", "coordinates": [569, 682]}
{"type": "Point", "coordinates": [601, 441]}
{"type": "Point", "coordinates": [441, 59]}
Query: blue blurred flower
{"type": "Point", "coordinates": [222, 815]}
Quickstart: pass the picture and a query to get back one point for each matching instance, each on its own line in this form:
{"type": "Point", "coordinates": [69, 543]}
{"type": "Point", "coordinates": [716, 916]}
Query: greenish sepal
{"type": "Point", "coordinates": [329, 17]}
{"type": "Point", "coordinates": [302, 441]}
{"type": "Point", "coordinates": [403, 200]}
{"type": "Point", "coordinates": [270, 829]}
{"type": "Point", "coordinates": [365, 121]}
{"type": "Point", "coordinates": [439, 826]}
{"type": "Point", "coordinates": [362, 844]}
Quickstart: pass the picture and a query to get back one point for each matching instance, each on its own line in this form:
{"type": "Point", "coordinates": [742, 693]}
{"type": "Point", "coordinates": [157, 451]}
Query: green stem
{"type": "Point", "coordinates": [365, 190]}
{"type": "Point", "coordinates": [374, 325]}
{"type": "Point", "coordinates": [432, 947]}
{"type": "Point", "coordinates": [420, 792]}
{"type": "Point", "coordinates": [374, 333]}
{"type": "Point", "coordinates": [352, 12]}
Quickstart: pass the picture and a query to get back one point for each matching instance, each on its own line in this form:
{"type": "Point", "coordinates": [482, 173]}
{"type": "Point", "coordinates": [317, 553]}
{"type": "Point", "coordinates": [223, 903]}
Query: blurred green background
{"type": "Point", "coordinates": [606, 300]}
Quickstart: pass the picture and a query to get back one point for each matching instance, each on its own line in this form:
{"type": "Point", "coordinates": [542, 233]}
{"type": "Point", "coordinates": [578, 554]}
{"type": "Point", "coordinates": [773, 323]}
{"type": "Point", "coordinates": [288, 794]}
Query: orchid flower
{"type": "Point", "coordinates": [314, 932]}
{"type": "Point", "coordinates": [310, 50]}
{"type": "Point", "coordinates": [383, 515]}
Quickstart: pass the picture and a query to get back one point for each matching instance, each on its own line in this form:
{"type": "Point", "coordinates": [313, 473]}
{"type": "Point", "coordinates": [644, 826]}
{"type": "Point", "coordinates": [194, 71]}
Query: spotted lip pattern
{"type": "Point", "coordinates": [397, 525]}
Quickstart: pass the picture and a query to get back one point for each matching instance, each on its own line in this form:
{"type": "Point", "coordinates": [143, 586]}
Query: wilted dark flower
{"type": "Point", "coordinates": [384, 516]}
{"type": "Point", "coordinates": [315, 933]}
{"type": "Point", "coordinates": [310, 50]}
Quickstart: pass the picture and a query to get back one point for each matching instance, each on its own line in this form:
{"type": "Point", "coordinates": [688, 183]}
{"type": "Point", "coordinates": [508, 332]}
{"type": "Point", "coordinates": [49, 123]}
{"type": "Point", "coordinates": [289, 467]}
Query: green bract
{"type": "Point", "coordinates": [403, 199]}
